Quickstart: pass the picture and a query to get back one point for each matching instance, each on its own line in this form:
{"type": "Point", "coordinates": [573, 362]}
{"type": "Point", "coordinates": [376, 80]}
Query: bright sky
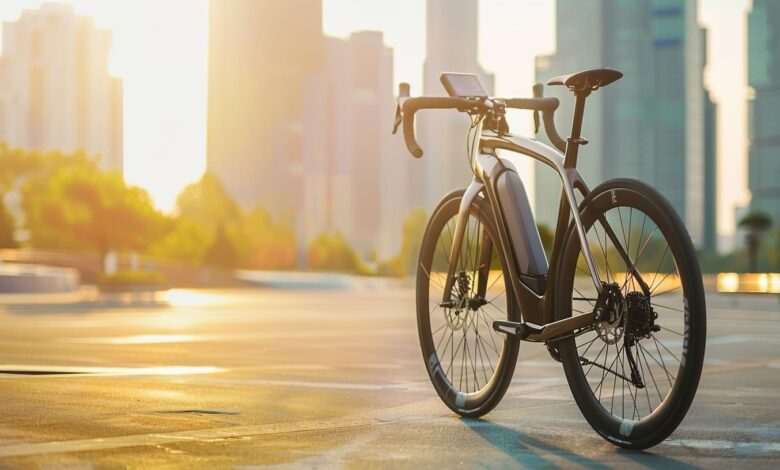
{"type": "Point", "coordinates": [161, 51]}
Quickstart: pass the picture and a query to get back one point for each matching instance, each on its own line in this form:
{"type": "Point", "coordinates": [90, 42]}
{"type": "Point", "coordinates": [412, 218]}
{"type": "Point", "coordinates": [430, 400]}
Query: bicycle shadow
{"type": "Point", "coordinates": [531, 452]}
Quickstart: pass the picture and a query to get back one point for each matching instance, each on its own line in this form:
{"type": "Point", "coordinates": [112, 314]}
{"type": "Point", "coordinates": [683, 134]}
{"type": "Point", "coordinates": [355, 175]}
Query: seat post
{"type": "Point", "coordinates": [574, 141]}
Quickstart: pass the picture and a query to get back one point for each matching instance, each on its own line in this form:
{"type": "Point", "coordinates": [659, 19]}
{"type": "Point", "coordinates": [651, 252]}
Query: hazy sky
{"type": "Point", "coordinates": [161, 47]}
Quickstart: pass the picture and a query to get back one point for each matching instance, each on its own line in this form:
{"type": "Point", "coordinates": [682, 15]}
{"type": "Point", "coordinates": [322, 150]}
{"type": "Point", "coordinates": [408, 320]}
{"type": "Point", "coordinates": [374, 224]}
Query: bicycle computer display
{"type": "Point", "coordinates": [464, 85]}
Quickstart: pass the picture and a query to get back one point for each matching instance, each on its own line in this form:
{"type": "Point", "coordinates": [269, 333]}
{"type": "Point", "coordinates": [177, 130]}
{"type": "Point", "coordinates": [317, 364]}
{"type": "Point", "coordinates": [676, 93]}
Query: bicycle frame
{"type": "Point", "coordinates": [537, 310]}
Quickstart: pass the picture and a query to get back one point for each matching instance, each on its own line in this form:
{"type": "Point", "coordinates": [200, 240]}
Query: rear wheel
{"type": "Point", "coordinates": [469, 363]}
{"type": "Point", "coordinates": [634, 376]}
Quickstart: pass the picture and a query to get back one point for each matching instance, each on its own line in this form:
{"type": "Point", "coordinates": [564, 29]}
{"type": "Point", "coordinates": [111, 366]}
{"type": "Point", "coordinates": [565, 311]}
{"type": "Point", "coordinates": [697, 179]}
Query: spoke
{"type": "Point", "coordinates": [655, 304]}
{"type": "Point", "coordinates": [495, 347]}
{"type": "Point", "coordinates": [666, 291]}
{"type": "Point", "coordinates": [596, 359]}
{"type": "Point", "coordinates": [657, 268]}
{"type": "Point", "coordinates": [632, 268]}
{"type": "Point", "coordinates": [641, 233]}
{"type": "Point", "coordinates": [622, 227]}
{"type": "Point", "coordinates": [581, 296]}
{"type": "Point", "coordinates": [448, 343]}
{"type": "Point", "coordinates": [429, 277]}
{"type": "Point", "coordinates": [669, 376]}
{"type": "Point", "coordinates": [439, 329]}
{"type": "Point", "coordinates": [670, 330]}
{"type": "Point", "coordinates": [633, 397]}
{"type": "Point", "coordinates": [603, 250]}
{"type": "Point", "coordinates": [647, 393]}
{"type": "Point", "coordinates": [501, 274]}
{"type": "Point", "coordinates": [664, 346]}
{"type": "Point", "coordinates": [649, 369]}
{"type": "Point", "coordinates": [590, 344]}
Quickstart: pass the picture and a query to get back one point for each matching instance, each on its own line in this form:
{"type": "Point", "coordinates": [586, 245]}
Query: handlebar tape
{"type": "Point", "coordinates": [412, 105]}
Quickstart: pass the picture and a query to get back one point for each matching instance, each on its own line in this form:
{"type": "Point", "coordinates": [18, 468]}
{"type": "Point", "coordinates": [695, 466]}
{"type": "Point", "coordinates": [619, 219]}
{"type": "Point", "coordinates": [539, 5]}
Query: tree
{"type": "Point", "coordinates": [90, 208]}
{"type": "Point", "coordinates": [186, 241]}
{"type": "Point", "coordinates": [265, 243]}
{"type": "Point", "coordinates": [332, 253]}
{"type": "Point", "coordinates": [547, 237]}
{"type": "Point", "coordinates": [207, 203]}
{"type": "Point", "coordinates": [221, 252]}
{"type": "Point", "coordinates": [406, 261]}
{"type": "Point", "coordinates": [7, 228]}
{"type": "Point", "coordinates": [755, 224]}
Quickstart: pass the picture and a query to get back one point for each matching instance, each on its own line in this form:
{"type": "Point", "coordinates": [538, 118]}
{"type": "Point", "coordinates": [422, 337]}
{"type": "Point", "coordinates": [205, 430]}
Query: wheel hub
{"type": "Point", "coordinates": [456, 311]}
{"type": "Point", "coordinates": [612, 328]}
{"type": "Point", "coordinates": [641, 317]}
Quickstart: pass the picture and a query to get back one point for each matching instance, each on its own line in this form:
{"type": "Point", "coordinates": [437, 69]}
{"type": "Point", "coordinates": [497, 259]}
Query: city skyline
{"type": "Point", "coordinates": [410, 15]}
{"type": "Point", "coordinates": [652, 126]}
{"type": "Point", "coordinates": [56, 92]}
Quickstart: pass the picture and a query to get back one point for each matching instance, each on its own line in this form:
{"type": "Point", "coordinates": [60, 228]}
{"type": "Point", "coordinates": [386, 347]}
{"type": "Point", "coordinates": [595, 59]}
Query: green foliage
{"type": "Point", "coordinates": [211, 228]}
{"type": "Point", "coordinates": [546, 234]}
{"type": "Point", "coordinates": [207, 203]}
{"type": "Point", "coordinates": [221, 252]}
{"type": "Point", "coordinates": [263, 243]}
{"type": "Point", "coordinates": [19, 165]}
{"type": "Point", "coordinates": [406, 261]}
{"type": "Point", "coordinates": [7, 228]}
{"type": "Point", "coordinates": [84, 207]}
{"type": "Point", "coordinates": [186, 240]}
{"type": "Point", "coordinates": [332, 253]}
{"type": "Point", "coordinates": [755, 223]}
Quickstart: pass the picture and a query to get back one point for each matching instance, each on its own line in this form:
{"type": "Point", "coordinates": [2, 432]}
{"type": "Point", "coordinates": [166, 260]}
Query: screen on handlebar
{"type": "Point", "coordinates": [463, 85]}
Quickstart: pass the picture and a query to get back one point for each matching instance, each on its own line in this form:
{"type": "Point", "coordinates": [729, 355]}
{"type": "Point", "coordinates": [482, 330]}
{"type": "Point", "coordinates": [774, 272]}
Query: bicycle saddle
{"type": "Point", "coordinates": [587, 79]}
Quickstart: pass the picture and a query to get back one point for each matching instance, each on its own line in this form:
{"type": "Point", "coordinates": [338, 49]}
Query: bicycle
{"type": "Point", "coordinates": [620, 303]}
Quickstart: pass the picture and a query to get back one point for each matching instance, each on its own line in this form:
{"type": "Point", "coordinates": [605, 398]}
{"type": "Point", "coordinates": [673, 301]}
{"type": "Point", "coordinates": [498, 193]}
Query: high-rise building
{"type": "Point", "coordinates": [260, 54]}
{"type": "Point", "coordinates": [651, 124]}
{"type": "Point", "coordinates": [710, 239]}
{"type": "Point", "coordinates": [764, 107]}
{"type": "Point", "coordinates": [55, 89]}
{"type": "Point", "coordinates": [355, 171]}
{"type": "Point", "coordinates": [451, 46]}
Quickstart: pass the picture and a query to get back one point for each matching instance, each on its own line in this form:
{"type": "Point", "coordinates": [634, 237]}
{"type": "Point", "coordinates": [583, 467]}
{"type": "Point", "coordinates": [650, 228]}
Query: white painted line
{"type": "Point", "coordinates": [742, 447]}
{"type": "Point", "coordinates": [16, 371]}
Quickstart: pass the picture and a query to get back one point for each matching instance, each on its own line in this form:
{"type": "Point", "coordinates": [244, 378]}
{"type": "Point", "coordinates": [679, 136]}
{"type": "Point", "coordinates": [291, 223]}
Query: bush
{"type": "Point", "coordinates": [332, 253]}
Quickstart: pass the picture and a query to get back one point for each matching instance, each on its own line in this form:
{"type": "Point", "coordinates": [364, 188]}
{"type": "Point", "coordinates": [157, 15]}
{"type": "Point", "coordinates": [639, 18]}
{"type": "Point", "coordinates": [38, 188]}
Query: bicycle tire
{"type": "Point", "coordinates": [663, 419]}
{"type": "Point", "coordinates": [480, 398]}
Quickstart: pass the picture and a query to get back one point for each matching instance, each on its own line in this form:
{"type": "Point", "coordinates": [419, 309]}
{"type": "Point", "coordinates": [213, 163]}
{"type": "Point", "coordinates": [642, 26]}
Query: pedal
{"type": "Point", "coordinates": [521, 330]}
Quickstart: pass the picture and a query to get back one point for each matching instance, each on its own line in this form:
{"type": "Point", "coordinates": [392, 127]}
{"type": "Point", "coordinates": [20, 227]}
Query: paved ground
{"type": "Point", "coordinates": [328, 379]}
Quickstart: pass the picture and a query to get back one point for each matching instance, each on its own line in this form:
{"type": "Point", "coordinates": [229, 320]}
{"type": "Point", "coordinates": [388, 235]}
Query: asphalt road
{"type": "Point", "coordinates": [210, 379]}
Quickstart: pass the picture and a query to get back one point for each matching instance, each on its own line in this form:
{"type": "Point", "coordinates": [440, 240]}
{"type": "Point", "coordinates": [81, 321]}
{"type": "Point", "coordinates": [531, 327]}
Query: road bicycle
{"type": "Point", "coordinates": [620, 303]}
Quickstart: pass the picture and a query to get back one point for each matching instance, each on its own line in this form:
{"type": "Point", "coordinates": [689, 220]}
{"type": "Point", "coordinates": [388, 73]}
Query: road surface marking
{"type": "Point", "coordinates": [17, 370]}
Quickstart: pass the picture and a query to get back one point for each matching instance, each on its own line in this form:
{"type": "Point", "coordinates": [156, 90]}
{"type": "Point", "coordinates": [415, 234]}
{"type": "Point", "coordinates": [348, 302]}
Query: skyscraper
{"type": "Point", "coordinates": [260, 54]}
{"type": "Point", "coordinates": [355, 171]}
{"type": "Point", "coordinates": [55, 89]}
{"type": "Point", "coordinates": [651, 124]}
{"type": "Point", "coordinates": [764, 107]}
{"type": "Point", "coordinates": [451, 46]}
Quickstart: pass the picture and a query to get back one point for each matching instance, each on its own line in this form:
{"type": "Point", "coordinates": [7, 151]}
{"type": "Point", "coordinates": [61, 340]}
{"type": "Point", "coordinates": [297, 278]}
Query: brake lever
{"type": "Point", "coordinates": [403, 94]}
{"type": "Point", "coordinates": [536, 122]}
{"type": "Point", "coordinates": [398, 117]}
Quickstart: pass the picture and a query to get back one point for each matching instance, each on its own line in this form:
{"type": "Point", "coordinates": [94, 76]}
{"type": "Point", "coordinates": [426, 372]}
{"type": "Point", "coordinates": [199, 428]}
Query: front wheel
{"type": "Point", "coordinates": [469, 363]}
{"type": "Point", "coordinates": [633, 376]}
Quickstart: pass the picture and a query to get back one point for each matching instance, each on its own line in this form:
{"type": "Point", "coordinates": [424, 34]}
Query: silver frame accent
{"type": "Point", "coordinates": [516, 146]}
